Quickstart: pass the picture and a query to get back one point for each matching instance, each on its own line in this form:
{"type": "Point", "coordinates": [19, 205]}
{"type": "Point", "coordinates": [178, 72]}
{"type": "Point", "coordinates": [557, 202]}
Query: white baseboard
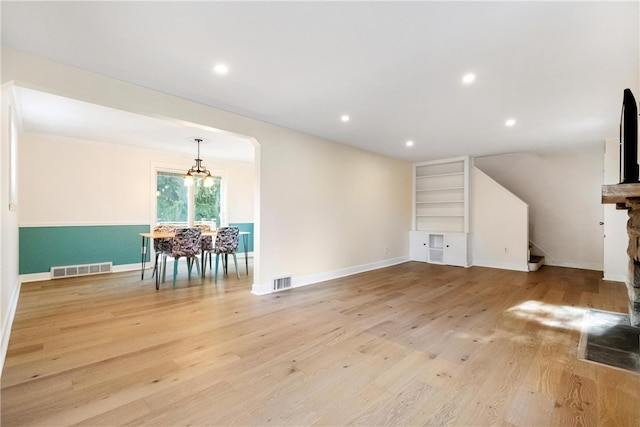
{"type": "Point", "coordinates": [35, 277]}
{"type": "Point", "coordinates": [296, 282]}
{"type": "Point", "coordinates": [547, 261]}
{"type": "Point", "coordinates": [502, 265]}
{"type": "Point", "coordinates": [241, 255]}
{"type": "Point", "coordinates": [38, 277]}
{"type": "Point", "coordinates": [573, 264]}
{"type": "Point", "coordinates": [8, 323]}
{"type": "Point", "coordinates": [615, 277]}
{"type": "Point", "coordinates": [131, 267]}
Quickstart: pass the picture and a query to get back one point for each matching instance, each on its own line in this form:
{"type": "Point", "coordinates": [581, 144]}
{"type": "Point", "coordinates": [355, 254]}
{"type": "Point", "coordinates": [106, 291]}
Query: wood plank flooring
{"type": "Point", "coordinates": [413, 344]}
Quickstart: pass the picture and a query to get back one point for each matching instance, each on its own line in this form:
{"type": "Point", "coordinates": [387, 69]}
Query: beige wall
{"type": "Point", "coordinates": [563, 192]}
{"type": "Point", "coordinates": [331, 207]}
{"type": "Point", "coordinates": [81, 182]}
{"type": "Point", "coordinates": [322, 207]}
{"type": "Point", "coordinates": [499, 223]}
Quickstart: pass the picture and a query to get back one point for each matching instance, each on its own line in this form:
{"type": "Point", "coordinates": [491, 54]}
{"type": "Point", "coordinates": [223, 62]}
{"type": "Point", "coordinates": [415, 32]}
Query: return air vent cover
{"type": "Point", "coordinates": [81, 270]}
{"type": "Point", "coordinates": [281, 283]}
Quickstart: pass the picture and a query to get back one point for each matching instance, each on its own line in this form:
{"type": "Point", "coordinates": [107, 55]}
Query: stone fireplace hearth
{"type": "Point", "coordinates": [627, 196]}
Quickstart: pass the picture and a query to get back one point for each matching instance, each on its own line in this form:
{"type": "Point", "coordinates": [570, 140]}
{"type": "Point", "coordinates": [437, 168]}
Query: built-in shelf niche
{"type": "Point", "coordinates": [441, 195]}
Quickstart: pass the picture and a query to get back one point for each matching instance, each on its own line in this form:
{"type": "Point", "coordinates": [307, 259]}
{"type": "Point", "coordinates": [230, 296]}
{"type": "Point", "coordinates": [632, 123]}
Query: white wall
{"type": "Point", "coordinates": [324, 209]}
{"type": "Point", "coordinates": [616, 260]}
{"type": "Point", "coordinates": [500, 225]}
{"type": "Point", "coordinates": [564, 196]}
{"type": "Point", "coordinates": [81, 182]}
{"type": "Point", "coordinates": [10, 285]}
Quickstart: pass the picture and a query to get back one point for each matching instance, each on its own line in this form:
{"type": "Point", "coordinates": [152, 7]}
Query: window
{"type": "Point", "coordinates": [172, 201]}
{"type": "Point", "coordinates": [207, 201]}
{"type": "Point", "coordinates": [172, 204]}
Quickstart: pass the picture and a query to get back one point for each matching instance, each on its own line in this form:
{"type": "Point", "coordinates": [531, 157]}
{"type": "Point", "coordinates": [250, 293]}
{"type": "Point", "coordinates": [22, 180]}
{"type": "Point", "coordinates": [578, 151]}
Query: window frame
{"type": "Point", "coordinates": [174, 169]}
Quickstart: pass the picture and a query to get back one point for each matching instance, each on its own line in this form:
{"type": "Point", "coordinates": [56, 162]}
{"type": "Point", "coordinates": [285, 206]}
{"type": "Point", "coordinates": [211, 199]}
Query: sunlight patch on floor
{"type": "Point", "coordinates": [555, 316]}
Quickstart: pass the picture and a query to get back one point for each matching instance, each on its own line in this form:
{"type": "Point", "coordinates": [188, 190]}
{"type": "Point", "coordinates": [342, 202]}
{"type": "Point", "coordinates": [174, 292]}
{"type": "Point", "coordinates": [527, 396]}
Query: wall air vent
{"type": "Point", "coordinates": [81, 270]}
{"type": "Point", "coordinates": [281, 283]}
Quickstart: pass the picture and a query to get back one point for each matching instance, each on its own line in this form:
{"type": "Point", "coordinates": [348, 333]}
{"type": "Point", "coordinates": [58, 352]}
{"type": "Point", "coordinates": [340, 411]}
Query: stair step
{"type": "Point", "coordinates": [535, 262]}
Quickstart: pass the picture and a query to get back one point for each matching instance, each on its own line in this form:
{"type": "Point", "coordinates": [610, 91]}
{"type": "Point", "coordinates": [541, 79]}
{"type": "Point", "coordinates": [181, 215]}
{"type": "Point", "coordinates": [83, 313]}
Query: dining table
{"type": "Point", "coordinates": [151, 235]}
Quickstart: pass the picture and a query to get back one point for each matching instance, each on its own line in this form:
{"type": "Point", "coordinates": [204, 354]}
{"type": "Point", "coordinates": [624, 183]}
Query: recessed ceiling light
{"type": "Point", "coordinates": [469, 78]}
{"type": "Point", "coordinates": [345, 118]}
{"type": "Point", "coordinates": [221, 69]}
{"type": "Point", "coordinates": [510, 122]}
{"type": "Point", "coordinates": [409, 143]}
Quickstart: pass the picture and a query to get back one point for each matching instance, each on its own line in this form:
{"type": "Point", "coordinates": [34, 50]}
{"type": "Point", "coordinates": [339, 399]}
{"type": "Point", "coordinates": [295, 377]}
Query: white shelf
{"type": "Point", "coordinates": [440, 198]}
{"type": "Point", "coordinates": [440, 189]}
{"type": "Point", "coordinates": [440, 202]}
{"type": "Point", "coordinates": [439, 175]}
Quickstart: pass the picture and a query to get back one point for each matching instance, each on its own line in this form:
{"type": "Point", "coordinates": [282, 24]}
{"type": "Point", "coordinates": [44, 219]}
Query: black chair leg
{"type": "Point", "coordinates": [155, 265]}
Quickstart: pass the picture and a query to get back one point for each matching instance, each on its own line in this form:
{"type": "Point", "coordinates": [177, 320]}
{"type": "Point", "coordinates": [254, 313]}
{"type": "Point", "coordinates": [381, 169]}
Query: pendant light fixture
{"type": "Point", "coordinates": [198, 169]}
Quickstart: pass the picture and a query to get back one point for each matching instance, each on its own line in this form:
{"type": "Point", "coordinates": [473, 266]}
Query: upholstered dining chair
{"type": "Point", "coordinates": [206, 245]}
{"type": "Point", "coordinates": [161, 247]}
{"type": "Point", "coordinates": [186, 244]}
{"type": "Point", "coordinates": [226, 244]}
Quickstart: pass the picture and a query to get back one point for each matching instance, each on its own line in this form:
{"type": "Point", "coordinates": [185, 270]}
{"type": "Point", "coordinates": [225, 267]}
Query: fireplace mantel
{"type": "Point", "coordinates": [619, 193]}
{"type": "Point", "coordinates": [627, 196]}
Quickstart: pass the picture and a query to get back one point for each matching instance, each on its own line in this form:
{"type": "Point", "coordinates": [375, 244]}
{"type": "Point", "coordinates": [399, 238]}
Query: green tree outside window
{"type": "Point", "coordinates": [172, 200]}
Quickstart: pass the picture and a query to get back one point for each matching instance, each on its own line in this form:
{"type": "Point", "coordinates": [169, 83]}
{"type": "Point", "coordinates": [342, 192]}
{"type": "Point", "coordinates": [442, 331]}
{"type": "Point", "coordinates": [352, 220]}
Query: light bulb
{"type": "Point", "coordinates": [469, 78]}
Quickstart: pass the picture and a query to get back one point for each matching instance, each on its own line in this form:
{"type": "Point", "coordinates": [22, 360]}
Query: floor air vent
{"type": "Point", "coordinates": [282, 283]}
{"type": "Point", "coordinates": [81, 270]}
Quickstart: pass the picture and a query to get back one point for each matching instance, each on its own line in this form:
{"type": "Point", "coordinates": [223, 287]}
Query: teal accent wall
{"type": "Point", "coordinates": [244, 226]}
{"type": "Point", "coordinates": [44, 247]}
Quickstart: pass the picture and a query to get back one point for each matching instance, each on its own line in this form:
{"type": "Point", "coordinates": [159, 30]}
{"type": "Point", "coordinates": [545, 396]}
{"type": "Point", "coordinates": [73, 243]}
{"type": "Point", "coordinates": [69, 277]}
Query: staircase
{"type": "Point", "coordinates": [535, 261]}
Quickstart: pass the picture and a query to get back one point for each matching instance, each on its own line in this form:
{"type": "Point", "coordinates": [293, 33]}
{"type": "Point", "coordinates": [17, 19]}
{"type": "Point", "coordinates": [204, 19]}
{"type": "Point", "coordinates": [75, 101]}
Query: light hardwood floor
{"type": "Point", "coordinates": [413, 344]}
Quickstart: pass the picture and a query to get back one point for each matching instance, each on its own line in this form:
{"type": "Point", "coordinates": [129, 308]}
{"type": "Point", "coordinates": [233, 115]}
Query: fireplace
{"type": "Point", "coordinates": [627, 196]}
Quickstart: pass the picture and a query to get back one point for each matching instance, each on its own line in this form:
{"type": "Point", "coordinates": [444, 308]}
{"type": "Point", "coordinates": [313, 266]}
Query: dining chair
{"type": "Point", "coordinates": [161, 247]}
{"type": "Point", "coordinates": [206, 245]}
{"type": "Point", "coordinates": [186, 244]}
{"type": "Point", "coordinates": [226, 244]}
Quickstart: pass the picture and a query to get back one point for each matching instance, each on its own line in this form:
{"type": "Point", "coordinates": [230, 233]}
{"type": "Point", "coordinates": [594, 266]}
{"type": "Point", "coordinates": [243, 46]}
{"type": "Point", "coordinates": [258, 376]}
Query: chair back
{"type": "Point", "coordinates": [186, 242]}
{"type": "Point", "coordinates": [207, 241]}
{"type": "Point", "coordinates": [163, 245]}
{"type": "Point", "coordinates": [226, 240]}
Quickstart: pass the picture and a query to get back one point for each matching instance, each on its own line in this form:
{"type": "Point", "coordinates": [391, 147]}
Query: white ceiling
{"type": "Point", "coordinates": [558, 68]}
{"type": "Point", "coordinates": [55, 115]}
